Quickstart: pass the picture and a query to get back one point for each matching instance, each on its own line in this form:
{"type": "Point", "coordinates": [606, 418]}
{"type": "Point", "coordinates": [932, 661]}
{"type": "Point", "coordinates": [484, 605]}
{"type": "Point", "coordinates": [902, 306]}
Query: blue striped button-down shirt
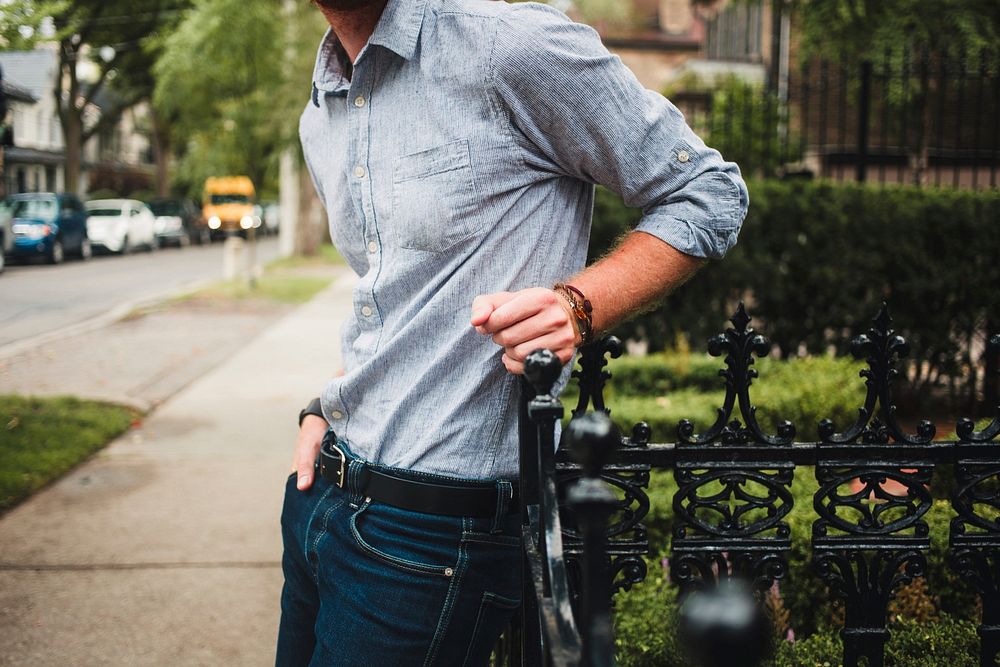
{"type": "Point", "coordinates": [457, 159]}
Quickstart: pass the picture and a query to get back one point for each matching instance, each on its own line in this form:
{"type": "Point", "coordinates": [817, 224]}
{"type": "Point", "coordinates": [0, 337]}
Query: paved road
{"type": "Point", "coordinates": [38, 299]}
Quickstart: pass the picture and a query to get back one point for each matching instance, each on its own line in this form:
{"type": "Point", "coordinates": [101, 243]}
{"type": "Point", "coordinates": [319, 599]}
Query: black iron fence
{"type": "Point", "coordinates": [898, 117]}
{"type": "Point", "coordinates": [583, 507]}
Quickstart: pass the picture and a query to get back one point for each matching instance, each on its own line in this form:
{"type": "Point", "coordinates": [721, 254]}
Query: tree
{"type": "Point", "coordinates": [233, 79]}
{"type": "Point", "coordinates": [111, 35]}
{"type": "Point", "coordinates": [859, 28]}
{"type": "Point", "coordinates": [225, 81]}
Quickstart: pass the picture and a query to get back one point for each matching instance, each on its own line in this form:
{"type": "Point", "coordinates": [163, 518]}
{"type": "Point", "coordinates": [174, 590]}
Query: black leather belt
{"type": "Point", "coordinates": [408, 494]}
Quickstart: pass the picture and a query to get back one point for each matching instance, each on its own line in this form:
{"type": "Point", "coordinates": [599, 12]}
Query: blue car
{"type": "Point", "coordinates": [52, 226]}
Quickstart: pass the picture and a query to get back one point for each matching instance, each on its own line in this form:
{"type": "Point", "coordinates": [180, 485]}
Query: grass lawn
{"type": "Point", "coordinates": [326, 256]}
{"type": "Point", "coordinates": [42, 438]}
{"type": "Point", "coordinates": [290, 280]}
{"type": "Point", "coordinates": [276, 286]}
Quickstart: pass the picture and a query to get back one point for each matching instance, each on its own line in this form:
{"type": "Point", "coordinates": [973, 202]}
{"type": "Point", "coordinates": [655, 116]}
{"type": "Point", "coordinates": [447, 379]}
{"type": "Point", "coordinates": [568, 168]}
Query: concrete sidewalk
{"type": "Point", "coordinates": [165, 549]}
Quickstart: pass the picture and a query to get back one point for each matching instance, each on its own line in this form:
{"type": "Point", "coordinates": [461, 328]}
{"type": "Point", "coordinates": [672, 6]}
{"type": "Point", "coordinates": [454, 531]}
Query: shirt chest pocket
{"type": "Point", "coordinates": [434, 198]}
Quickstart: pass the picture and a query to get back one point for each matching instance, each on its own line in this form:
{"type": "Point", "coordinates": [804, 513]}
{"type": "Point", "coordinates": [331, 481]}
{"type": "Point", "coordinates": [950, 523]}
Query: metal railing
{"type": "Point", "coordinates": [583, 507]}
{"type": "Point", "coordinates": [893, 117]}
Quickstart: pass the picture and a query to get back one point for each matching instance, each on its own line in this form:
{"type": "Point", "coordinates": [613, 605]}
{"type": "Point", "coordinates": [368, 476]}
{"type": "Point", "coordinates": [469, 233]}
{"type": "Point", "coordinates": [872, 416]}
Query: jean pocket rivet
{"type": "Point", "coordinates": [448, 571]}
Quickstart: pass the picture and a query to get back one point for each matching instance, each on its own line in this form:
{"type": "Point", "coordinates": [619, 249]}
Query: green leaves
{"type": "Point", "coordinates": [233, 79]}
{"type": "Point", "coordinates": [816, 260]}
{"type": "Point", "coordinates": [870, 27]}
{"type": "Point", "coordinates": [24, 22]}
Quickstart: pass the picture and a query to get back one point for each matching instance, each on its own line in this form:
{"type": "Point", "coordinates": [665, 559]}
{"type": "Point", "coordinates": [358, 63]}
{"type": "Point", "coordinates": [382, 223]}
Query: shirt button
{"type": "Point", "coordinates": [337, 414]}
{"type": "Point", "coordinates": [359, 172]}
{"type": "Point", "coordinates": [683, 156]}
{"type": "Point", "coordinates": [372, 247]}
{"type": "Point", "coordinates": [367, 311]}
{"type": "Point", "coordinates": [359, 101]}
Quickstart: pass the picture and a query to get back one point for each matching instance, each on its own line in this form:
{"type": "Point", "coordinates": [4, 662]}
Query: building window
{"type": "Point", "coordinates": [735, 34]}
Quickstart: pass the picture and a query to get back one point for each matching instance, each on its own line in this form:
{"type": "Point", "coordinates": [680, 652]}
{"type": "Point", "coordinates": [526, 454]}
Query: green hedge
{"type": "Point", "coordinates": [932, 625]}
{"type": "Point", "coordinates": [815, 260]}
{"type": "Point", "coordinates": [646, 636]}
{"type": "Point", "coordinates": [661, 389]}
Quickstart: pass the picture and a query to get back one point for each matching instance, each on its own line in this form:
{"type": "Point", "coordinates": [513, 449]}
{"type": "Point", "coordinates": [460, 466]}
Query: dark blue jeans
{"type": "Point", "coordinates": [371, 584]}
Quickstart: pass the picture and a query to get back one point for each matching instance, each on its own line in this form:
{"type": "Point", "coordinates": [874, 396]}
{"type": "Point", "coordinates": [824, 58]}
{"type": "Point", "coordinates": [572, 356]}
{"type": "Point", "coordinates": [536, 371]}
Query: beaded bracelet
{"type": "Point", "coordinates": [582, 309]}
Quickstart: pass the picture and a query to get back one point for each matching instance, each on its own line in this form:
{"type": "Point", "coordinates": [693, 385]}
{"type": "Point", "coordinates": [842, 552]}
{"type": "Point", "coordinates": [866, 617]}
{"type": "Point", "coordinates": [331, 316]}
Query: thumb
{"type": "Point", "coordinates": [484, 305]}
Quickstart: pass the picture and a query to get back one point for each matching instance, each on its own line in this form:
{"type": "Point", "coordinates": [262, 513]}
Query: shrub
{"type": "Point", "coordinates": [816, 259]}
{"type": "Point", "coordinates": [811, 607]}
{"type": "Point", "coordinates": [661, 389]}
{"type": "Point", "coordinates": [646, 620]}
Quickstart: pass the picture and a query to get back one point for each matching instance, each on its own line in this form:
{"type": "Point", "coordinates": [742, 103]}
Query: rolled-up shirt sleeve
{"type": "Point", "coordinates": [576, 110]}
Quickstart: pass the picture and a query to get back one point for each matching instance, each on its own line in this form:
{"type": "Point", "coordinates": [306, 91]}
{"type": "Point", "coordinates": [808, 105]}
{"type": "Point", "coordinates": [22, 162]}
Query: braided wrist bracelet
{"type": "Point", "coordinates": [581, 307]}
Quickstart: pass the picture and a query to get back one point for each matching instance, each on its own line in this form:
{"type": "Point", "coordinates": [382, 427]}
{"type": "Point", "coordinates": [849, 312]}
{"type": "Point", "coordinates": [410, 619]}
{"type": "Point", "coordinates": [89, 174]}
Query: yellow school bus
{"type": "Point", "coordinates": [229, 205]}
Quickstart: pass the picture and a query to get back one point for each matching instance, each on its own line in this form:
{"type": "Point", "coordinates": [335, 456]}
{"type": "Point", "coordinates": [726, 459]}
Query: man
{"type": "Point", "coordinates": [455, 144]}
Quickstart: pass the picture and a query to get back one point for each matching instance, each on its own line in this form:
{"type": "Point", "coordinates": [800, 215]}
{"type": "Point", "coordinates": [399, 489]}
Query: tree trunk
{"type": "Point", "coordinates": [920, 156]}
{"type": "Point", "coordinates": [70, 114]}
{"type": "Point", "coordinates": [310, 224]}
{"type": "Point", "coordinates": [73, 136]}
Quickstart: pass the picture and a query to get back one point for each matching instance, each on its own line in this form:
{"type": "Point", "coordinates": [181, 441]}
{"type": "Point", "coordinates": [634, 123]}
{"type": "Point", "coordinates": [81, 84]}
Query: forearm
{"type": "Point", "coordinates": [641, 270]}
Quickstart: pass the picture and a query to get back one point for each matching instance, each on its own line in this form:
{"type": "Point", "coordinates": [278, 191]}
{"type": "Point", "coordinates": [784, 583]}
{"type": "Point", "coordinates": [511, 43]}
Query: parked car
{"type": "Point", "coordinates": [271, 215]}
{"type": "Point", "coordinates": [121, 225]}
{"type": "Point", "coordinates": [178, 222]}
{"type": "Point", "coordinates": [49, 225]}
{"type": "Point", "coordinates": [6, 235]}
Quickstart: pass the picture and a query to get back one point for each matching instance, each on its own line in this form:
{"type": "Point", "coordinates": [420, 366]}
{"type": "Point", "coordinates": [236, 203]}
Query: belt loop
{"type": "Point", "coordinates": [353, 482]}
{"type": "Point", "coordinates": [505, 493]}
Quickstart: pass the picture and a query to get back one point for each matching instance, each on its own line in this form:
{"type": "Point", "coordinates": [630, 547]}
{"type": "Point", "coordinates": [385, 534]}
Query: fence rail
{"type": "Point", "coordinates": [734, 478]}
{"type": "Point", "coordinates": [897, 117]}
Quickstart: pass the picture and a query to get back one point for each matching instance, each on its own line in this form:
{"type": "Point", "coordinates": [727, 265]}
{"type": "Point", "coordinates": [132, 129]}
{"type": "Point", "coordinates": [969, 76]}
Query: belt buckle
{"type": "Point", "coordinates": [343, 462]}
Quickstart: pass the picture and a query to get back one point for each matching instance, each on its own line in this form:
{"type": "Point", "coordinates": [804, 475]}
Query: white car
{"type": "Point", "coordinates": [120, 225]}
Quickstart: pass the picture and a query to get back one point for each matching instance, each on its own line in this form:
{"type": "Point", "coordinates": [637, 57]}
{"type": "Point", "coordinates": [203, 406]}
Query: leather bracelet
{"type": "Point", "coordinates": [582, 310]}
{"type": "Point", "coordinates": [315, 407]}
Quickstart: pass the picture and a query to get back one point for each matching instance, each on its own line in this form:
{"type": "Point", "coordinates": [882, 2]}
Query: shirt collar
{"type": "Point", "coordinates": [397, 30]}
{"type": "Point", "coordinates": [399, 26]}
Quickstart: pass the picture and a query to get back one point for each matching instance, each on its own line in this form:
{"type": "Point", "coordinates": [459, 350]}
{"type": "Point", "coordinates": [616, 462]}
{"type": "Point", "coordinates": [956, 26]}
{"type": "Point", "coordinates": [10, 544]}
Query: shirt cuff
{"type": "Point", "coordinates": [688, 237]}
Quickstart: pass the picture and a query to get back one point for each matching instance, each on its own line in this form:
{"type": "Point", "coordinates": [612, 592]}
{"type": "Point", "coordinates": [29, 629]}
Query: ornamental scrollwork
{"type": "Point", "coordinates": [981, 569]}
{"type": "Point", "coordinates": [966, 428]}
{"type": "Point", "coordinates": [976, 500]}
{"type": "Point", "coordinates": [880, 348]}
{"type": "Point", "coordinates": [631, 507]}
{"type": "Point", "coordinates": [867, 580]}
{"type": "Point", "coordinates": [739, 343]}
{"type": "Point", "coordinates": [627, 571]}
{"type": "Point", "coordinates": [870, 507]}
{"type": "Point", "coordinates": [593, 375]}
{"type": "Point", "coordinates": [701, 570]}
{"type": "Point", "coordinates": [732, 502]}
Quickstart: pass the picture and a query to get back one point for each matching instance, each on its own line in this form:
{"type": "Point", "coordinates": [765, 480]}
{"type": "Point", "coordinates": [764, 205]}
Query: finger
{"type": "Point", "coordinates": [527, 303]}
{"type": "Point", "coordinates": [484, 305]}
{"type": "Point", "coordinates": [306, 463]}
{"type": "Point", "coordinates": [560, 342]}
{"type": "Point", "coordinates": [544, 323]}
{"type": "Point", "coordinates": [514, 367]}
{"type": "Point", "coordinates": [305, 471]}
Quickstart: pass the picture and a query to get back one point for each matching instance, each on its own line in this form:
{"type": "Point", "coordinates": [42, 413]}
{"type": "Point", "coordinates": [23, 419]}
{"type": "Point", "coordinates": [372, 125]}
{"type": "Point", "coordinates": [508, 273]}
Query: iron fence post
{"type": "Point", "coordinates": [864, 111]}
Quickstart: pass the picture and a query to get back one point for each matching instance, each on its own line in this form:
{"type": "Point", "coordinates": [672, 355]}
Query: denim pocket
{"type": "Point", "coordinates": [492, 539]}
{"type": "Point", "coordinates": [434, 198]}
{"type": "Point", "coordinates": [495, 611]}
{"type": "Point", "coordinates": [425, 544]}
